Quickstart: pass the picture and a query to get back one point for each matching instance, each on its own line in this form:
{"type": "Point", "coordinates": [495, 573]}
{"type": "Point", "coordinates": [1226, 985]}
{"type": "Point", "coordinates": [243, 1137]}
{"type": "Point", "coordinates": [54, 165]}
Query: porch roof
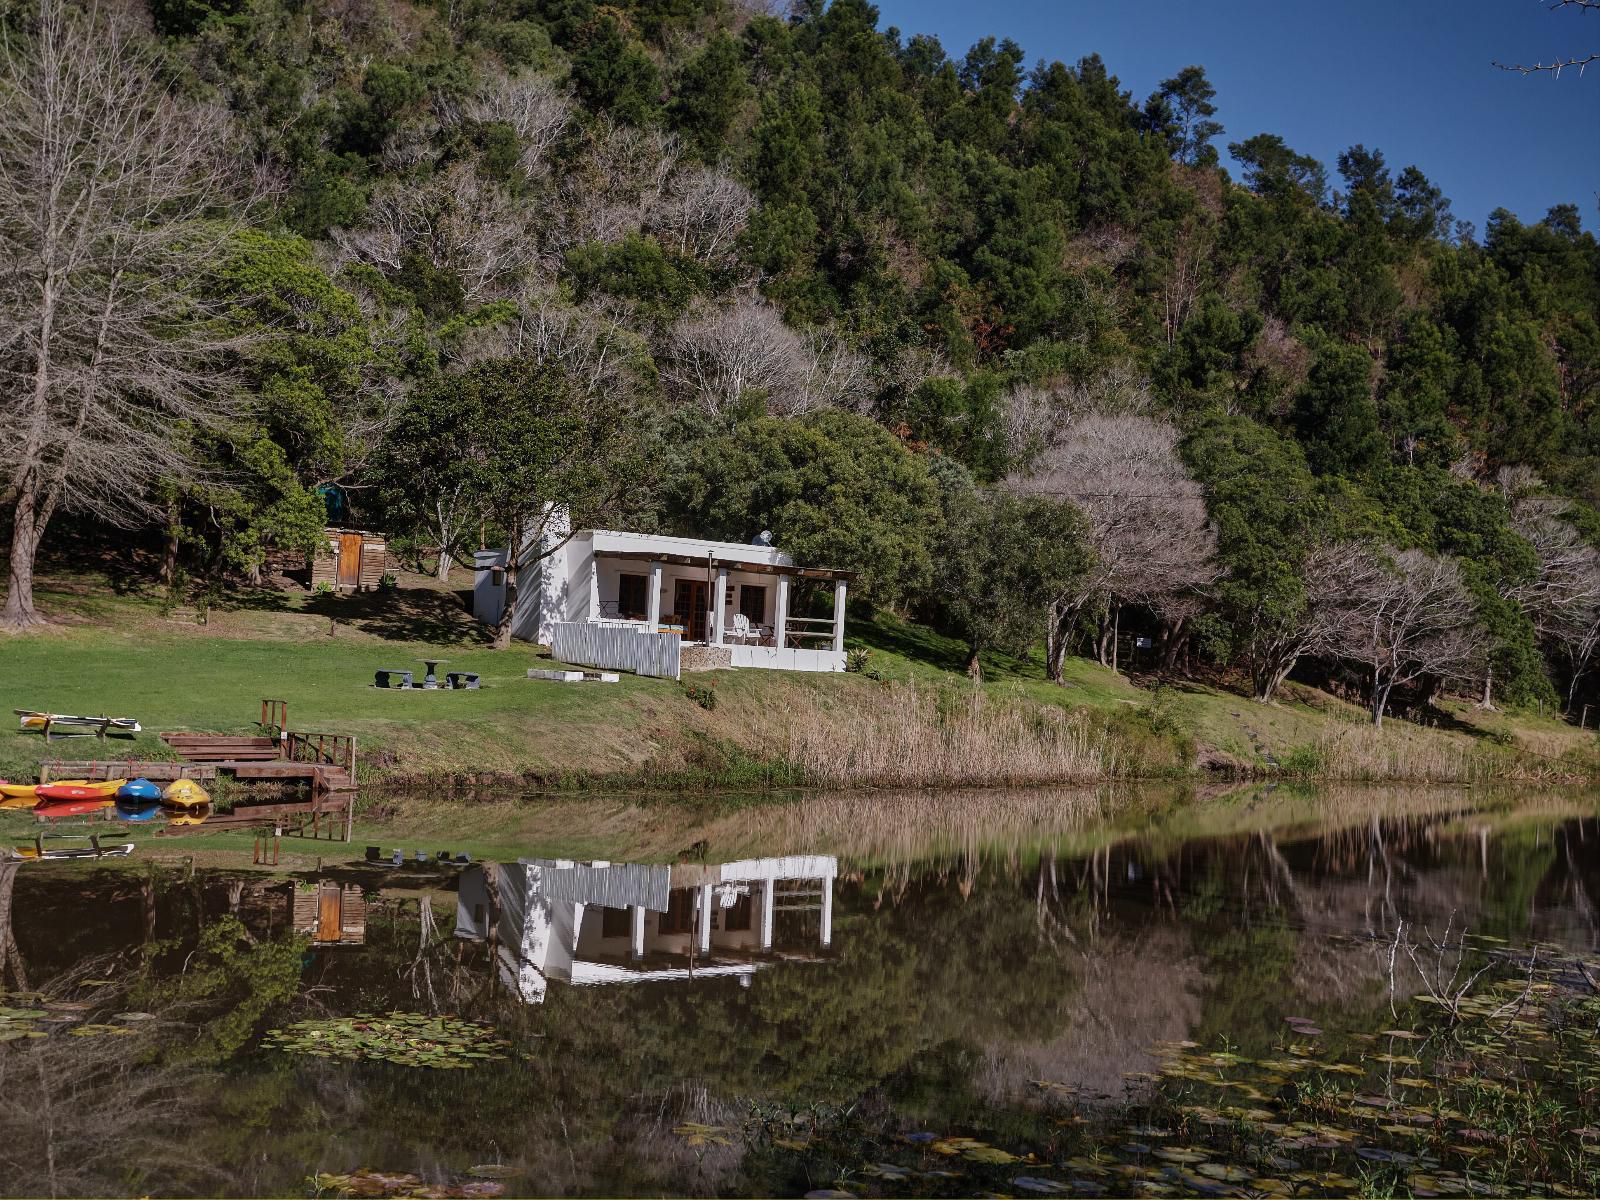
{"type": "Point", "coordinates": [722, 560]}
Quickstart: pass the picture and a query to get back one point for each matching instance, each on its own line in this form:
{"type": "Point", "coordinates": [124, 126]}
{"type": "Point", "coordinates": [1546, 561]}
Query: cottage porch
{"type": "Point", "coordinates": [742, 605]}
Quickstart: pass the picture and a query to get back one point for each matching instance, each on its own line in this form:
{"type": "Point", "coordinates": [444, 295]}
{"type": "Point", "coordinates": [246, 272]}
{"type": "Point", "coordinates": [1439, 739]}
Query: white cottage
{"type": "Point", "coordinates": [634, 601]}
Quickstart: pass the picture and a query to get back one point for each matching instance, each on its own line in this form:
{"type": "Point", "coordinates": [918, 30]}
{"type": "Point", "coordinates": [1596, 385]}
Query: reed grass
{"type": "Point", "coordinates": [1362, 754]}
{"type": "Point", "coordinates": [915, 735]}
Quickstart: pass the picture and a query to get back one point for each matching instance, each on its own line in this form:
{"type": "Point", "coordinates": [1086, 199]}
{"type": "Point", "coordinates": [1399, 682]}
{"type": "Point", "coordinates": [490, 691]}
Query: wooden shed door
{"type": "Point", "coordinates": [350, 560]}
{"type": "Point", "coordinates": [330, 914]}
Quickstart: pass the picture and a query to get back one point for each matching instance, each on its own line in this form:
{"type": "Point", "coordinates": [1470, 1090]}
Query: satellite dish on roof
{"type": "Point", "coordinates": [764, 538]}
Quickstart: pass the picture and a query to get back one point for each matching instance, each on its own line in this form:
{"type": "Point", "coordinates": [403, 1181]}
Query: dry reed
{"type": "Point", "coordinates": [952, 737]}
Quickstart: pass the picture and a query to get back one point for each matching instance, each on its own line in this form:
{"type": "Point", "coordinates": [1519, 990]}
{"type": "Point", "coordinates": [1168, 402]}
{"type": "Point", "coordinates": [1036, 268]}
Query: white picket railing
{"type": "Point", "coordinates": [616, 647]}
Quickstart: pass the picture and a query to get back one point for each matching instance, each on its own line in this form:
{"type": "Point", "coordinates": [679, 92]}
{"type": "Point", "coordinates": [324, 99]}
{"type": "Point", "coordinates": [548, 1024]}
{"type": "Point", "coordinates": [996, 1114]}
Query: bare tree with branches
{"type": "Point", "coordinates": [702, 214]}
{"type": "Point", "coordinates": [460, 224]}
{"type": "Point", "coordinates": [1404, 616]}
{"type": "Point", "coordinates": [1145, 519]}
{"type": "Point", "coordinates": [1558, 63]}
{"type": "Point", "coordinates": [111, 187]}
{"type": "Point", "coordinates": [717, 356]}
{"type": "Point", "coordinates": [1563, 601]}
{"type": "Point", "coordinates": [535, 107]}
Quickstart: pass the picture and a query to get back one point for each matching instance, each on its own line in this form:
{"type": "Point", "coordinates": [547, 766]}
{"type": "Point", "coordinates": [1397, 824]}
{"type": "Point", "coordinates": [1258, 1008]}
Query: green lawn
{"type": "Point", "coordinates": [116, 652]}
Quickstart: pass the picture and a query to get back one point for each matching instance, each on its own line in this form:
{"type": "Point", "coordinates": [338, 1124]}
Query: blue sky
{"type": "Point", "coordinates": [1409, 77]}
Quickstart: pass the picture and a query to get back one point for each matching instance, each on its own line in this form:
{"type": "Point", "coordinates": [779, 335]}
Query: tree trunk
{"type": "Point", "coordinates": [502, 629]}
{"type": "Point", "coordinates": [441, 570]}
{"type": "Point", "coordinates": [1116, 631]}
{"type": "Point", "coordinates": [1487, 703]}
{"type": "Point", "coordinates": [1055, 648]}
{"type": "Point", "coordinates": [28, 519]}
{"type": "Point", "coordinates": [974, 667]}
{"type": "Point", "coordinates": [1380, 701]}
{"type": "Point", "coordinates": [169, 551]}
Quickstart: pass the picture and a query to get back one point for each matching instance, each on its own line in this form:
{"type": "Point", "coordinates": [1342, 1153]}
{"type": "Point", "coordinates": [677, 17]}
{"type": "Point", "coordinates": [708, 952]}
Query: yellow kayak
{"type": "Point", "coordinates": [190, 816]}
{"type": "Point", "coordinates": [185, 792]}
{"type": "Point", "coordinates": [17, 791]}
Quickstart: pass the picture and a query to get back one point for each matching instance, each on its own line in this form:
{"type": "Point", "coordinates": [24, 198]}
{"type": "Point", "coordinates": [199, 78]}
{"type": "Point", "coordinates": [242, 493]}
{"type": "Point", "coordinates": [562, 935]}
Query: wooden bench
{"type": "Point", "coordinates": [384, 677]}
{"type": "Point", "coordinates": [462, 679]}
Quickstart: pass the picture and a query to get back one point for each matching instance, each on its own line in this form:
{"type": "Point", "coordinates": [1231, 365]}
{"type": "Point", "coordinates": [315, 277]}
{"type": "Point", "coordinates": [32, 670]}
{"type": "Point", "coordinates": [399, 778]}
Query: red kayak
{"type": "Point", "coordinates": [69, 791]}
{"type": "Point", "coordinates": [71, 808]}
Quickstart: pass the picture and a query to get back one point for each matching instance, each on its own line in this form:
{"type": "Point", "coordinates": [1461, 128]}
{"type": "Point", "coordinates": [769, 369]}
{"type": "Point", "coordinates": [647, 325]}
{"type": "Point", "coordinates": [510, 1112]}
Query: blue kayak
{"type": "Point", "coordinates": [138, 810]}
{"type": "Point", "coordinates": [139, 789]}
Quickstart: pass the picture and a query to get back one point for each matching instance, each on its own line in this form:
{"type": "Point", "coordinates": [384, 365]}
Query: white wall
{"type": "Point", "coordinates": [786, 658]}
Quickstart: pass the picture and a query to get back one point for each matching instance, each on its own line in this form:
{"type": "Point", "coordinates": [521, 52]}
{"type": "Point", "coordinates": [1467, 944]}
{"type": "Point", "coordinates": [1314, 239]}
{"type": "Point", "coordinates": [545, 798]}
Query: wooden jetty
{"type": "Point", "coordinates": [325, 762]}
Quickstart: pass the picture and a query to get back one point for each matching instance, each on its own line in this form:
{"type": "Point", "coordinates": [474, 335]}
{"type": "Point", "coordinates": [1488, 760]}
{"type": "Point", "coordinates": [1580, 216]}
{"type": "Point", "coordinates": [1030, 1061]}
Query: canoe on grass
{"type": "Point", "coordinates": [185, 793]}
{"type": "Point", "coordinates": [29, 719]}
{"type": "Point", "coordinates": [79, 789]}
{"type": "Point", "coordinates": [139, 789]}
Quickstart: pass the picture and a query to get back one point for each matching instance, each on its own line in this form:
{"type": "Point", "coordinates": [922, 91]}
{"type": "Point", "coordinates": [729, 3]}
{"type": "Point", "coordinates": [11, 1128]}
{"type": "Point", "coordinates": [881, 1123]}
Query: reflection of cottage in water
{"type": "Point", "coordinates": [600, 922]}
{"type": "Point", "coordinates": [329, 913]}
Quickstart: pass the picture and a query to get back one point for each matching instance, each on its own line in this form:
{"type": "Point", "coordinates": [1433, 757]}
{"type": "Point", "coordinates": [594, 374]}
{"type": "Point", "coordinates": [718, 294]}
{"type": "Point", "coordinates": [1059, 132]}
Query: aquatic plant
{"type": "Point", "coordinates": [375, 1185]}
{"type": "Point", "coordinates": [406, 1039]}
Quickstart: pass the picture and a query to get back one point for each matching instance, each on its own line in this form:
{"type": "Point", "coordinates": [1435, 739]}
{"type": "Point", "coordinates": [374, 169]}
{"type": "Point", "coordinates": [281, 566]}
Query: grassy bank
{"type": "Point", "coordinates": [911, 720]}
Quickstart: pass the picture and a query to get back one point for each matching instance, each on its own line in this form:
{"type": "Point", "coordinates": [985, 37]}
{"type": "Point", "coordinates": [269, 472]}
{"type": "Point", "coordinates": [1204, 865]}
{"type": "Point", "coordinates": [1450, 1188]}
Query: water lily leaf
{"type": "Point", "coordinates": [1031, 1183]}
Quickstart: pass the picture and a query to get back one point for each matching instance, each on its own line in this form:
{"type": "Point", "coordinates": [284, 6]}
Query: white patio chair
{"type": "Point", "coordinates": [741, 628]}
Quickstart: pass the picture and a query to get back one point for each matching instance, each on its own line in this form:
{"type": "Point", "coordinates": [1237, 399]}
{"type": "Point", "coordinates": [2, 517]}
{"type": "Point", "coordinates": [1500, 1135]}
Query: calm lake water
{"type": "Point", "coordinates": [1018, 995]}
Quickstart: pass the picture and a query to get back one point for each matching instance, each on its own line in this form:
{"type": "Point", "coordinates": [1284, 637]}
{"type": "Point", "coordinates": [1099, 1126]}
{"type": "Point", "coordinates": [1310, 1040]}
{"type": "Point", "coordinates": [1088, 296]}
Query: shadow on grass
{"type": "Point", "coordinates": [920, 644]}
{"type": "Point", "coordinates": [405, 615]}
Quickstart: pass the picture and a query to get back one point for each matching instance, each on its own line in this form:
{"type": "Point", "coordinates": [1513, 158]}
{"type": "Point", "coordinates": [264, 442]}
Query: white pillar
{"type": "Point", "coordinates": [720, 608]}
{"type": "Point", "coordinates": [838, 616]}
{"type": "Point", "coordinates": [637, 946]}
{"type": "Point", "coordinates": [780, 622]}
{"type": "Point", "coordinates": [703, 920]}
{"type": "Point", "coordinates": [653, 603]}
{"type": "Point", "coordinates": [594, 589]}
{"type": "Point", "coordinates": [768, 891]}
{"type": "Point", "coordinates": [827, 910]}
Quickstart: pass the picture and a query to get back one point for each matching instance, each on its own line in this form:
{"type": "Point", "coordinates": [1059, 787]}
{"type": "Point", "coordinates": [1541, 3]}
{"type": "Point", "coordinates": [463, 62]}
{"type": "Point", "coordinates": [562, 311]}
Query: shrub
{"type": "Point", "coordinates": [323, 588]}
{"type": "Point", "coordinates": [1304, 761]}
{"type": "Point", "coordinates": [388, 583]}
{"type": "Point", "coordinates": [703, 694]}
{"type": "Point", "coordinates": [857, 659]}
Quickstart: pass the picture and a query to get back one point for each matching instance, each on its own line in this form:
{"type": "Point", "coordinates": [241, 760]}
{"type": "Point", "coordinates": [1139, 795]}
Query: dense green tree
{"type": "Point", "coordinates": [1180, 113]}
{"type": "Point", "coordinates": [834, 489]}
{"type": "Point", "coordinates": [1002, 559]}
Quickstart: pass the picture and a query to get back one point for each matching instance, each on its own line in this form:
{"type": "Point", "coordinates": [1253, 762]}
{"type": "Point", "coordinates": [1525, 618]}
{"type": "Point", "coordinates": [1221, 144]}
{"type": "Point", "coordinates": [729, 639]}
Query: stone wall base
{"type": "Point", "coordinates": [706, 658]}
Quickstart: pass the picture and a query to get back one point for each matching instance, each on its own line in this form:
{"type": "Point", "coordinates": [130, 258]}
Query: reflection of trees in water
{"type": "Point", "coordinates": [64, 1099]}
{"type": "Point", "coordinates": [12, 971]}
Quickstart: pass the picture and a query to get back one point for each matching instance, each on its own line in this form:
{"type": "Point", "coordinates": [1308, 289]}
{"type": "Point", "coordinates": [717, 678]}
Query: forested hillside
{"type": "Point", "coordinates": [1005, 338]}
